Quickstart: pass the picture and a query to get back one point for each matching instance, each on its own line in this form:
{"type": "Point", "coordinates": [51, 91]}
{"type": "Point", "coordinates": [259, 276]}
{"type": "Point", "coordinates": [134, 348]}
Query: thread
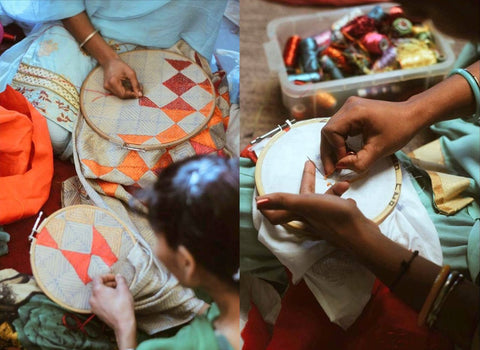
{"type": "Point", "coordinates": [290, 52]}
{"type": "Point", "coordinates": [308, 55]}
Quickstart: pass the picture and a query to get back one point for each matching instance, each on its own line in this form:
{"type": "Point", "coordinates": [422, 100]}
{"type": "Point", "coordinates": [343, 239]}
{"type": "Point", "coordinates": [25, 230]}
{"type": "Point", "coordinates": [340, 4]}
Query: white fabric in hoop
{"type": "Point", "coordinates": [290, 150]}
{"type": "Point", "coordinates": [341, 285]}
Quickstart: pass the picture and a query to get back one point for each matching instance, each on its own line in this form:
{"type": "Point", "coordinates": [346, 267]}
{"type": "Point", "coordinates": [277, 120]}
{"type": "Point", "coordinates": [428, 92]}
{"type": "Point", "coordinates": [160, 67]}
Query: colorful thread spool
{"type": "Point", "coordinates": [338, 57]}
{"type": "Point", "coordinates": [323, 39]}
{"type": "Point", "coordinates": [388, 59]}
{"type": "Point", "coordinates": [375, 43]}
{"type": "Point", "coordinates": [401, 26]}
{"type": "Point", "coordinates": [308, 55]}
{"type": "Point", "coordinates": [395, 12]}
{"type": "Point", "coordinates": [329, 66]}
{"type": "Point", "coordinates": [358, 27]}
{"type": "Point", "coordinates": [325, 100]}
{"type": "Point", "coordinates": [305, 77]}
{"type": "Point", "coordinates": [290, 52]}
{"type": "Point", "coordinates": [377, 14]}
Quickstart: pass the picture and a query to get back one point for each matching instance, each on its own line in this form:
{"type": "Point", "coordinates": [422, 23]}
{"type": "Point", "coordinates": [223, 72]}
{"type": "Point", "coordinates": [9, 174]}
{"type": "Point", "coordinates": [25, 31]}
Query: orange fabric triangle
{"type": "Point", "coordinates": [108, 187]}
{"type": "Point", "coordinates": [135, 139]}
{"type": "Point", "coordinates": [226, 97]}
{"type": "Point", "coordinates": [133, 166]}
{"type": "Point", "coordinates": [204, 138]}
{"type": "Point", "coordinates": [207, 110]}
{"type": "Point", "coordinates": [97, 169]}
{"type": "Point", "coordinates": [164, 161]}
{"type": "Point", "coordinates": [173, 133]}
{"type": "Point", "coordinates": [206, 85]}
{"type": "Point", "coordinates": [176, 114]}
{"type": "Point", "coordinates": [101, 248]}
{"type": "Point", "coordinates": [45, 238]}
{"type": "Point", "coordinates": [80, 263]}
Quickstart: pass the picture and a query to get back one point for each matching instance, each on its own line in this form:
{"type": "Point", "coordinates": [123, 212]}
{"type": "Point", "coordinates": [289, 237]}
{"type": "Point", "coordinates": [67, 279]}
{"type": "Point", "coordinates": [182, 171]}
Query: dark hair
{"type": "Point", "coordinates": [195, 203]}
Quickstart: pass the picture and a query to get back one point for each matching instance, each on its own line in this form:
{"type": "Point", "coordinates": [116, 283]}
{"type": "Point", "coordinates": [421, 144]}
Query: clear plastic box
{"type": "Point", "coordinates": [309, 99]}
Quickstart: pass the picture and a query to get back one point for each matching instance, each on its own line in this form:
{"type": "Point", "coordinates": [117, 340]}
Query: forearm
{"type": "Point", "coordinates": [449, 99]}
{"type": "Point", "coordinates": [126, 335]}
{"type": "Point", "coordinates": [80, 27]}
{"type": "Point", "coordinates": [383, 257]}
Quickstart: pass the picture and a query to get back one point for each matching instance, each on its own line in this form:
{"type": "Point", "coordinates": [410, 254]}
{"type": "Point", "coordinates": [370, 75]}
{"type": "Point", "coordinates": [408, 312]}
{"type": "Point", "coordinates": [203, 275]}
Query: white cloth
{"type": "Point", "coordinates": [340, 284]}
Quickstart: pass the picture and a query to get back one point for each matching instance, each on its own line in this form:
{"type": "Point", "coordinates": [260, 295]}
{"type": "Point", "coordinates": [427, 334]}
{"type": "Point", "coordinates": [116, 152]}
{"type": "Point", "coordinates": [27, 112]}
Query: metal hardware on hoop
{"type": "Point", "coordinates": [287, 124]}
{"type": "Point", "coordinates": [35, 226]}
{"type": "Point", "coordinates": [132, 148]}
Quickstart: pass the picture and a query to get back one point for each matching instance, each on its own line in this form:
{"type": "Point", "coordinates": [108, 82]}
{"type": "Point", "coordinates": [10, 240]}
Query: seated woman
{"type": "Point", "coordinates": [193, 209]}
{"type": "Point", "coordinates": [65, 41]}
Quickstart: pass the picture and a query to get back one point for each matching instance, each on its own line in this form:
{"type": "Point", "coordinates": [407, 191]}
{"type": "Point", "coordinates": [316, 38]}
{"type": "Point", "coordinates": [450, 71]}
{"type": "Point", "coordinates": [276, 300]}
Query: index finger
{"type": "Point", "coordinates": [332, 148]}
{"type": "Point", "coordinates": [308, 178]}
{"type": "Point", "coordinates": [135, 85]}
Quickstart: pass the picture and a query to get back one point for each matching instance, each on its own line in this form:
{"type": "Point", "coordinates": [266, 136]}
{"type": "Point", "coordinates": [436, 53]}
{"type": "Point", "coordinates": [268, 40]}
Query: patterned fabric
{"type": "Point", "coordinates": [110, 174]}
{"type": "Point", "coordinates": [74, 245]}
{"type": "Point", "coordinates": [178, 101]}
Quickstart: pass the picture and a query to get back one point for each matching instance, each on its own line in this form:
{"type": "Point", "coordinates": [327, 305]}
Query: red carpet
{"type": "Point", "coordinates": [18, 256]}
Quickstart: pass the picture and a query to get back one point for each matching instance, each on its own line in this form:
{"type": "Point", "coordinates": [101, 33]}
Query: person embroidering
{"type": "Point", "coordinates": [446, 297]}
{"type": "Point", "coordinates": [193, 209]}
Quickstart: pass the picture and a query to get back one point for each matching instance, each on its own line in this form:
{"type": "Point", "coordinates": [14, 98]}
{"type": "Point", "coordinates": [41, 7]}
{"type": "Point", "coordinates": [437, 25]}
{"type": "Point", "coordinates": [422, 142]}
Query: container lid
{"type": "Point", "coordinates": [74, 245]}
{"type": "Point", "coordinates": [178, 101]}
{"type": "Point", "coordinates": [280, 167]}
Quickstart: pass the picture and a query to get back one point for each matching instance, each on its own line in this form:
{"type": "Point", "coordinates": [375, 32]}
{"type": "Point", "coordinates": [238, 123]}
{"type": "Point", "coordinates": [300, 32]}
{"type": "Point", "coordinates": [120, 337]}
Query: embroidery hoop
{"type": "Point", "coordinates": [159, 110]}
{"type": "Point", "coordinates": [268, 156]}
{"type": "Point", "coordinates": [60, 272]}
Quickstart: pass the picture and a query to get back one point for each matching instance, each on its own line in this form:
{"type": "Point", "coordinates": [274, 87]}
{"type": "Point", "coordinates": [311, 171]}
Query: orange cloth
{"type": "Point", "coordinates": [26, 158]}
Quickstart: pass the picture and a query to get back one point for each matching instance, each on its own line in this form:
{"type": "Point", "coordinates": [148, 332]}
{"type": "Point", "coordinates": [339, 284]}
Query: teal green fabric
{"type": "Point", "coordinates": [459, 233]}
{"type": "Point", "coordinates": [40, 326]}
{"type": "Point", "coordinates": [199, 335]}
{"type": "Point", "coordinates": [255, 258]}
{"type": "Point", "coordinates": [4, 239]}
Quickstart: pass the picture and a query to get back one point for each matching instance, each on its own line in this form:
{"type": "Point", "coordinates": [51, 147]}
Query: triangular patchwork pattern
{"type": "Point", "coordinates": [178, 64]}
{"type": "Point", "coordinates": [178, 109]}
{"type": "Point", "coordinates": [101, 248]}
{"type": "Point", "coordinates": [80, 263]}
{"type": "Point", "coordinates": [44, 238]}
{"type": "Point", "coordinates": [179, 84]}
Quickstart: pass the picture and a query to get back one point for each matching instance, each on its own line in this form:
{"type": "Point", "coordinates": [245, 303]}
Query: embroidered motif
{"type": "Point", "coordinates": [47, 47]}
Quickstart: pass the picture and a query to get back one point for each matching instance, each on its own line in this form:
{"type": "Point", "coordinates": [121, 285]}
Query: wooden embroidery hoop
{"type": "Point", "coordinates": [92, 94]}
{"type": "Point", "coordinates": [42, 277]}
{"type": "Point", "coordinates": [279, 137]}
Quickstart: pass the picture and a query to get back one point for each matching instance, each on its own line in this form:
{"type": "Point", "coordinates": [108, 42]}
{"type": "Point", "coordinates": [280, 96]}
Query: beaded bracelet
{"type": "Point", "coordinates": [432, 295]}
{"type": "Point", "coordinates": [404, 266]}
{"type": "Point", "coordinates": [474, 85]}
{"type": "Point", "coordinates": [89, 36]}
{"type": "Point", "coordinates": [452, 280]}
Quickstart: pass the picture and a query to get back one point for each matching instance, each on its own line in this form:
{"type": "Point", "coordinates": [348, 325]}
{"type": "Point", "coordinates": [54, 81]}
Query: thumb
{"type": "Point", "coordinates": [121, 282]}
{"type": "Point", "coordinates": [358, 162]}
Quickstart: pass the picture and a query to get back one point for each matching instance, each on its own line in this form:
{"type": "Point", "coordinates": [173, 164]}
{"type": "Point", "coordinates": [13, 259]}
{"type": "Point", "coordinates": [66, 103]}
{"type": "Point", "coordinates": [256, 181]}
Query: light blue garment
{"type": "Point", "coordinates": [153, 23]}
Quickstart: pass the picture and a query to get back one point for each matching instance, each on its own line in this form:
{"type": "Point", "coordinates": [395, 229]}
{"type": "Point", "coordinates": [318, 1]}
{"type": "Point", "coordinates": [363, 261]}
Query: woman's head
{"type": "Point", "coordinates": [194, 209]}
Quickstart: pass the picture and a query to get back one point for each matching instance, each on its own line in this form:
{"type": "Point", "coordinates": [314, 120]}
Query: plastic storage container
{"type": "Point", "coordinates": [309, 100]}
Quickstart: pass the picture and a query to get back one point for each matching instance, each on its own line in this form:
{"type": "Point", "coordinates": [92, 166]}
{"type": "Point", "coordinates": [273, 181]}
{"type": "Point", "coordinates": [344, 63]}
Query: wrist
{"type": "Point", "coordinates": [126, 334]}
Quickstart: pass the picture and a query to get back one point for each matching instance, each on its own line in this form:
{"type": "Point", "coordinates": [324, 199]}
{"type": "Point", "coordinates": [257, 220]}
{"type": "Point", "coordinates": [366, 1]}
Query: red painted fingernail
{"type": "Point", "coordinates": [262, 201]}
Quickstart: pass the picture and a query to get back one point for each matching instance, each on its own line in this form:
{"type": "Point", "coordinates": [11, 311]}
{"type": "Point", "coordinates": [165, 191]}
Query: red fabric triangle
{"type": "Point", "coordinates": [178, 64]}
{"type": "Point", "coordinates": [201, 149]}
{"type": "Point", "coordinates": [80, 263]}
{"type": "Point", "coordinates": [179, 84]}
{"type": "Point", "coordinates": [101, 248]}
{"type": "Point", "coordinates": [44, 238]}
{"type": "Point", "coordinates": [146, 102]}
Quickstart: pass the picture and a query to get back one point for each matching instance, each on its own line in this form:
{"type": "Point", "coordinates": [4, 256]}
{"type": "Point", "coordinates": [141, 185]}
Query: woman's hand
{"type": "Point", "coordinates": [112, 302]}
{"type": "Point", "coordinates": [385, 127]}
{"type": "Point", "coordinates": [120, 79]}
{"type": "Point", "coordinates": [329, 217]}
